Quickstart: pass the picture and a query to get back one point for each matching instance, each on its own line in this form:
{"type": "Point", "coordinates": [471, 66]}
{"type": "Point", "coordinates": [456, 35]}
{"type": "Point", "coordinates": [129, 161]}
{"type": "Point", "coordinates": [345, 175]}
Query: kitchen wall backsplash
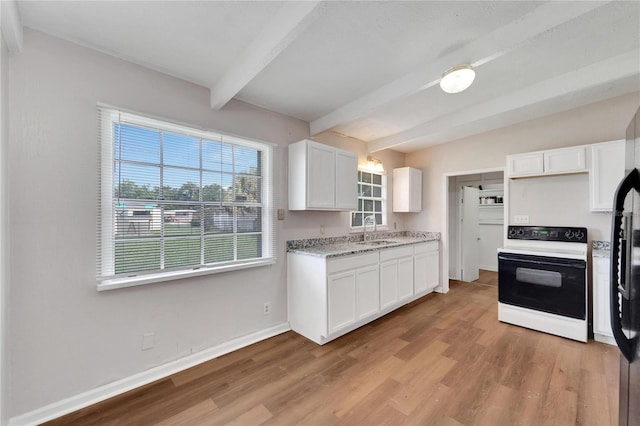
{"type": "Point", "coordinates": [356, 237]}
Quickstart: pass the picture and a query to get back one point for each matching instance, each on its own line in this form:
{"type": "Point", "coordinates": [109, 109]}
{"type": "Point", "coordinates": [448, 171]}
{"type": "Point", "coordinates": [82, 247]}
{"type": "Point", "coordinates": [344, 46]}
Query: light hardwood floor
{"type": "Point", "coordinates": [487, 277]}
{"type": "Point", "coordinates": [442, 360]}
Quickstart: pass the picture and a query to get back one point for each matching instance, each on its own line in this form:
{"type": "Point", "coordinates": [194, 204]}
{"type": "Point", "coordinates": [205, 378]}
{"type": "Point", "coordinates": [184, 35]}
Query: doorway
{"type": "Point", "coordinates": [473, 222]}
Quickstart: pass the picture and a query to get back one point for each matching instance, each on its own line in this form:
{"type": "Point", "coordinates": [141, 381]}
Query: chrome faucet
{"type": "Point", "coordinates": [368, 221]}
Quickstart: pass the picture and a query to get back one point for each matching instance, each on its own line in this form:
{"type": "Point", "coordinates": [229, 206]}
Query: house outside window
{"type": "Point", "coordinates": [176, 201]}
{"type": "Point", "coordinates": [372, 195]}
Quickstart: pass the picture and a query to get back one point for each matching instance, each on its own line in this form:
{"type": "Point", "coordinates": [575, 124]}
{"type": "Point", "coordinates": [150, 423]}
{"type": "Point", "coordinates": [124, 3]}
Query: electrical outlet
{"type": "Point", "coordinates": [321, 229]}
{"type": "Point", "coordinates": [394, 225]}
{"type": "Point", "coordinates": [267, 308]}
{"type": "Point", "coordinates": [280, 214]}
{"type": "Point", "coordinates": [521, 219]}
{"type": "Point", "coordinates": [147, 341]}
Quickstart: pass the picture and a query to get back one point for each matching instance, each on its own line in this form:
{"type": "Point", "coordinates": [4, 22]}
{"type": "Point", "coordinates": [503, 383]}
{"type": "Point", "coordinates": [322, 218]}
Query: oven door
{"type": "Point", "coordinates": [547, 284]}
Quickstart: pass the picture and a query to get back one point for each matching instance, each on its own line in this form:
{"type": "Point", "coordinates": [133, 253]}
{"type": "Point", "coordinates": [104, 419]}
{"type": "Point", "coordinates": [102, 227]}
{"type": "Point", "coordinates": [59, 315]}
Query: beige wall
{"type": "Point", "coordinates": [598, 122]}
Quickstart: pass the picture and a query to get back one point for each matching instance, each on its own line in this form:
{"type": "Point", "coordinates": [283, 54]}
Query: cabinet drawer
{"type": "Point", "coordinates": [395, 253]}
{"type": "Point", "coordinates": [351, 262]}
{"type": "Point", "coordinates": [425, 247]}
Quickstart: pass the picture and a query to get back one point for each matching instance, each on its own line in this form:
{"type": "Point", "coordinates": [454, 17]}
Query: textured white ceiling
{"type": "Point", "coordinates": [369, 70]}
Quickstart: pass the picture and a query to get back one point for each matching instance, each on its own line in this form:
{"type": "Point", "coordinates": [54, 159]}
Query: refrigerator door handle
{"type": "Point", "coordinates": [618, 245]}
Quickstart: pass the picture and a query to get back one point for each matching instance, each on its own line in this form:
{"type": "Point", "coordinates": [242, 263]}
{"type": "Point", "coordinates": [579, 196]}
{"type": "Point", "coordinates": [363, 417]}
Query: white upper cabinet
{"type": "Point", "coordinates": [556, 161]}
{"type": "Point", "coordinates": [566, 160]}
{"type": "Point", "coordinates": [607, 170]}
{"type": "Point", "coordinates": [346, 180]}
{"type": "Point", "coordinates": [525, 164]}
{"type": "Point", "coordinates": [322, 177]}
{"type": "Point", "coordinates": [407, 190]}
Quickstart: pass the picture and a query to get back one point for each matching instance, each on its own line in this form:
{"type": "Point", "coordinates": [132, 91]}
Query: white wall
{"type": "Point", "coordinates": [558, 201]}
{"type": "Point", "coordinates": [65, 337]}
{"type": "Point", "coordinates": [599, 122]}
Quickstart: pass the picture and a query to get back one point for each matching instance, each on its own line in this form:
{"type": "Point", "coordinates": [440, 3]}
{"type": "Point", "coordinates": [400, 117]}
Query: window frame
{"type": "Point", "coordinates": [383, 198]}
{"type": "Point", "coordinates": [106, 245]}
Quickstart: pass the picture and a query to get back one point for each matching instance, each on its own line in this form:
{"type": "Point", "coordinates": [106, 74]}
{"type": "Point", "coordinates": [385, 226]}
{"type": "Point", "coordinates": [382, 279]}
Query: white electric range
{"type": "Point", "coordinates": [542, 280]}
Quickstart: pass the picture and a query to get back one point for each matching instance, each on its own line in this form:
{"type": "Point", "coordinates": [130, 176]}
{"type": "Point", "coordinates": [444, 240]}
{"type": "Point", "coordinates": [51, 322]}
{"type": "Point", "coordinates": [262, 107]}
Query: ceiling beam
{"type": "Point", "coordinates": [479, 52]}
{"type": "Point", "coordinates": [290, 21]}
{"type": "Point", "coordinates": [11, 26]}
{"type": "Point", "coordinates": [470, 121]}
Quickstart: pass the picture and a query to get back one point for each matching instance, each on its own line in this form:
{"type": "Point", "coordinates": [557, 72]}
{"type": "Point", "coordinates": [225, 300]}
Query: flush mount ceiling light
{"type": "Point", "coordinates": [457, 78]}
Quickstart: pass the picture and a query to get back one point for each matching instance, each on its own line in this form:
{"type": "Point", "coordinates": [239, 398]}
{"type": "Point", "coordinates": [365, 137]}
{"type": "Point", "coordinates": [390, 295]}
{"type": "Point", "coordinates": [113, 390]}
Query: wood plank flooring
{"type": "Point", "coordinates": [442, 360]}
{"type": "Point", "coordinates": [487, 277]}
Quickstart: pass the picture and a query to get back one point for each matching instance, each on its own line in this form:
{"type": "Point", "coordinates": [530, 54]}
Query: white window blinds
{"type": "Point", "coordinates": [173, 198]}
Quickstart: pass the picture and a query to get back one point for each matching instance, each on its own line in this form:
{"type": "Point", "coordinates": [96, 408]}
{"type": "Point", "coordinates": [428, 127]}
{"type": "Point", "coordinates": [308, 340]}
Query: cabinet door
{"type": "Point", "coordinates": [607, 170]}
{"type": "Point", "coordinates": [421, 272]}
{"type": "Point", "coordinates": [367, 291]}
{"type": "Point", "coordinates": [415, 190]}
{"type": "Point", "coordinates": [433, 269]}
{"type": "Point", "coordinates": [346, 180]}
{"type": "Point", "coordinates": [388, 284]}
{"type": "Point", "coordinates": [565, 160]}
{"type": "Point", "coordinates": [405, 278]}
{"type": "Point", "coordinates": [426, 271]}
{"type": "Point", "coordinates": [525, 164]}
{"type": "Point", "coordinates": [601, 318]}
{"type": "Point", "coordinates": [321, 176]}
{"type": "Point", "coordinates": [342, 300]}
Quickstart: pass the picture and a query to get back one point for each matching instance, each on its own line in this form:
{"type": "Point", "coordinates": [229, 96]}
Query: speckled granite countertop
{"type": "Point", "coordinates": [353, 244]}
{"type": "Point", "coordinates": [600, 249]}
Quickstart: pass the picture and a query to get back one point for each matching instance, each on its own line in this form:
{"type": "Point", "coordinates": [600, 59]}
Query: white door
{"type": "Point", "coordinates": [470, 235]}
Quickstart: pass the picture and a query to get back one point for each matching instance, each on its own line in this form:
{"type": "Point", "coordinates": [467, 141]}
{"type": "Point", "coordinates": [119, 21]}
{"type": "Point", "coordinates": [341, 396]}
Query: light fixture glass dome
{"type": "Point", "coordinates": [457, 79]}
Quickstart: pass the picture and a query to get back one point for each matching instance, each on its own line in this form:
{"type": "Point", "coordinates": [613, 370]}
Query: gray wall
{"type": "Point", "coordinates": [4, 235]}
{"type": "Point", "coordinates": [66, 338]}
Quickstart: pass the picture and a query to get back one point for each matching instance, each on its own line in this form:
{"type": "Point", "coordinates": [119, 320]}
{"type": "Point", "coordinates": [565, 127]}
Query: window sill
{"type": "Point", "coordinates": [124, 282]}
{"type": "Point", "coordinates": [360, 229]}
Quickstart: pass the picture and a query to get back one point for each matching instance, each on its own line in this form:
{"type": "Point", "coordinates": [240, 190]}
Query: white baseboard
{"type": "Point", "coordinates": [488, 268]}
{"type": "Point", "coordinates": [85, 399]}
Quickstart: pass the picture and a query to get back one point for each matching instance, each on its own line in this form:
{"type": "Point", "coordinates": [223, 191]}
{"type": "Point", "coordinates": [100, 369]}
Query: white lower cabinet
{"type": "Point", "coordinates": [426, 267]}
{"type": "Point", "coordinates": [330, 297]}
{"type": "Point", "coordinates": [342, 300]}
{"type": "Point", "coordinates": [396, 276]}
{"type": "Point", "coordinates": [367, 291]}
{"type": "Point", "coordinates": [601, 297]}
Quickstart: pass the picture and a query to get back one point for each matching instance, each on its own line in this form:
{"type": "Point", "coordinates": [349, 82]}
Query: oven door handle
{"type": "Point", "coordinates": [618, 247]}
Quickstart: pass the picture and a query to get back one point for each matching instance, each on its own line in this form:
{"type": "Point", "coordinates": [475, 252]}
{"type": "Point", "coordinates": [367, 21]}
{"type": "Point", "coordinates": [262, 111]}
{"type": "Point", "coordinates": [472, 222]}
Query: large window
{"type": "Point", "coordinates": [177, 201]}
{"type": "Point", "coordinates": [371, 199]}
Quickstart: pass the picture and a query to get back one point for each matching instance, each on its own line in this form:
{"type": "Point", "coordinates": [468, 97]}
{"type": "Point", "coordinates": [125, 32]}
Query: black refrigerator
{"type": "Point", "coordinates": [625, 277]}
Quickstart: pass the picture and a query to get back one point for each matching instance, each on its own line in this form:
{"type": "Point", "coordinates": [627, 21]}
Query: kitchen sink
{"type": "Point", "coordinates": [377, 243]}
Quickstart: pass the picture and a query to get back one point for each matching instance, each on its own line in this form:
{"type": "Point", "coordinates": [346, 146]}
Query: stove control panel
{"type": "Point", "coordinates": [548, 233]}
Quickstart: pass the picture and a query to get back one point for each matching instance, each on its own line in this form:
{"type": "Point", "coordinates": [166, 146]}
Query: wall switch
{"type": "Point", "coordinates": [280, 214]}
{"type": "Point", "coordinates": [394, 225]}
{"type": "Point", "coordinates": [147, 341]}
{"type": "Point", "coordinates": [521, 219]}
{"type": "Point", "coordinates": [267, 308]}
{"type": "Point", "coordinates": [321, 229]}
